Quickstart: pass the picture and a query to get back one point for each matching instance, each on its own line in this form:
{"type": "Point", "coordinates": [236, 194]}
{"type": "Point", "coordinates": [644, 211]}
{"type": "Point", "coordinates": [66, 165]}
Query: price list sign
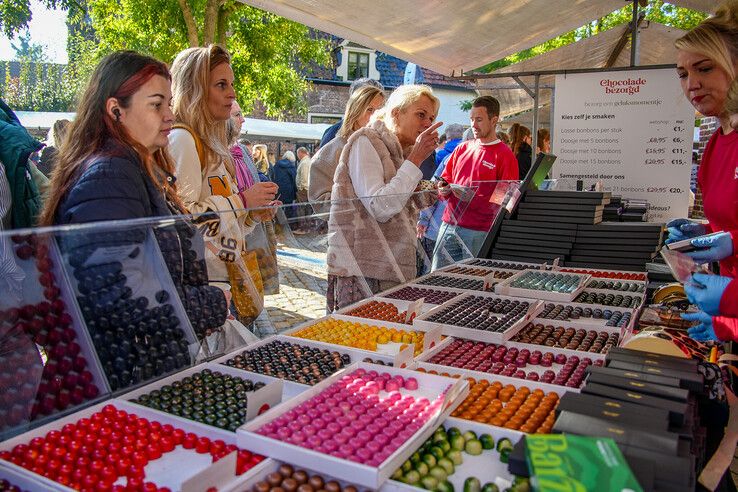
{"type": "Point", "coordinates": [632, 130]}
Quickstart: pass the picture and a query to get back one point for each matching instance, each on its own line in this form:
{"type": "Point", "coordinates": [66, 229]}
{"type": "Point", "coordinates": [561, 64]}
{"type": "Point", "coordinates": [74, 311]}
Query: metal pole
{"type": "Point", "coordinates": [534, 137]}
{"type": "Point", "coordinates": [634, 41]}
{"type": "Point", "coordinates": [551, 121]}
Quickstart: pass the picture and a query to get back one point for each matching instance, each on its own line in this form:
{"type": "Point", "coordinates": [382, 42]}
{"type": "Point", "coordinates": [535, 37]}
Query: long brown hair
{"type": "Point", "coordinates": [517, 139]}
{"type": "Point", "coordinates": [119, 75]}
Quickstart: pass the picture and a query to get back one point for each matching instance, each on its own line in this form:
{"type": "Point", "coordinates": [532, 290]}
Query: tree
{"type": "Point", "coordinates": [27, 51]}
{"type": "Point", "coordinates": [271, 55]}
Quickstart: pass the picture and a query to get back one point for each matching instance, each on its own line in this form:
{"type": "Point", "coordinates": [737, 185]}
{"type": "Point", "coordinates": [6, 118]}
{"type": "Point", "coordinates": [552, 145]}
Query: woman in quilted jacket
{"type": "Point", "coordinates": [113, 165]}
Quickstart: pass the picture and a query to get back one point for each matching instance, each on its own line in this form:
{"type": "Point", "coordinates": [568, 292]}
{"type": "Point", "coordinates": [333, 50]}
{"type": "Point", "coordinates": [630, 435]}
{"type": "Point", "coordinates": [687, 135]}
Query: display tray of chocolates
{"type": "Point", "coordinates": [608, 274]}
{"type": "Point", "coordinates": [368, 335]}
{"type": "Point", "coordinates": [559, 337]}
{"type": "Point", "coordinates": [521, 408]}
{"type": "Point", "coordinates": [484, 317]}
{"type": "Point", "coordinates": [587, 315]}
{"type": "Point", "coordinates": [393, 311]}
{"type": "Point", "coordinates": [545, 285]}
{"type": "Point", "coordinates": [120, 446]}
{"type": "Point", "coordinates": [613, 299]}
{"type": "Point", "coordinates": [430, 295]}
{"type": "Point", "coordinates": [499, 264]}
{"type": "Point", "coordinates": [460, 455]}
{"type": "Point", "coordinates": [617, 285]}
{"type": "Point", "coordinates": [49, 363]}
{"type": "Point", "coordinates": [545, 366]}
{"type": "Point", "coordinates": [301, 362]}
{"type": "Point", "coordinates": [451, 281]}
{"type": "Point", "coordinates": [290, 360]}
{"type": "Point", "coordinates": [133, 313]}
{"type": "Point", "coordinates": [283, 477]}
{"type": "Point", "coordinates": [350, 424]}
{"type": "Point", "coordinates": [479, 271]}
{"type": "Point", "coordinates": [211, 394]}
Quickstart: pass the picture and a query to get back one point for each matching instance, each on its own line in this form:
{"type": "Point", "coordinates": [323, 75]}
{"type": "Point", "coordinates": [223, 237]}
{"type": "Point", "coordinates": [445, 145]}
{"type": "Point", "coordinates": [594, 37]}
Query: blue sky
{"type": "Point", "coordinates": [47, 28]}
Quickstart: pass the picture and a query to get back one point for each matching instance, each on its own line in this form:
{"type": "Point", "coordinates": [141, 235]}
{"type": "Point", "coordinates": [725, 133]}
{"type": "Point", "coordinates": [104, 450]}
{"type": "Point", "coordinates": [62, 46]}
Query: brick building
{"type": "Point", "coordinates": [327, 99]}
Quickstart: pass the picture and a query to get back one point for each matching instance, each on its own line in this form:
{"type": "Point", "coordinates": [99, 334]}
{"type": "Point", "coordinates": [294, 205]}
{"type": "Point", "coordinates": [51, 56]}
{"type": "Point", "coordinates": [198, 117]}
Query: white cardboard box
{"type": "Point", "coordinates": [472, 333]}
{"type": "Point", "coordinates": [180, 469]}
{"type": "Point", "coordinates": [367, 476]}
{"type": "Point", "coordinates": [504, 287]}
{"type": "Point", "coordinates": [487, 466]}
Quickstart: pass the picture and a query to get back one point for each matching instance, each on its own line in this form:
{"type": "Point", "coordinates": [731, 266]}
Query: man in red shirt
{"type": "Point", "coordinates": [474, 164]}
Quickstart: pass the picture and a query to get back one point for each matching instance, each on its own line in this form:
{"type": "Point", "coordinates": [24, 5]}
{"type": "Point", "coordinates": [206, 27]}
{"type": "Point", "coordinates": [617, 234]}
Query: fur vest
{"type": "Point", "coordinates": [358, 244]}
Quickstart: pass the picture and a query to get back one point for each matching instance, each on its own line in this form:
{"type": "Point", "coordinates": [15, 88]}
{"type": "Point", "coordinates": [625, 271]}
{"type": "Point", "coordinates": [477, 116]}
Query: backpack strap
{"type": "Point", "coordinates": [198, 144]}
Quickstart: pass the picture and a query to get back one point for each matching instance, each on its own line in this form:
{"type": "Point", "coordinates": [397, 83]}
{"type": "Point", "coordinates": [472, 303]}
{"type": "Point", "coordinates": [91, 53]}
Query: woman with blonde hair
{"type": "Point", "coordinates": [261, 161]}
{"type": "Point", "coordinates": [372, 241]}
{"type": "Point", "coordinates": [203, 96]}
{"type": "Point", "coordinates": [707, 64]}
{"type": "Point", "coordinates": [361, 106]}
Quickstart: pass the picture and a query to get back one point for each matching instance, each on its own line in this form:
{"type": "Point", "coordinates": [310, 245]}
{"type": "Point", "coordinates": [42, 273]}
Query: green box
{"type": "Point", "coordinates": [569, 463]}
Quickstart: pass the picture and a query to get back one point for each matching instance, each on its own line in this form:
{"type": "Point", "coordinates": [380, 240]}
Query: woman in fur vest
{"type": "Point", "coordinates": [372, 240]}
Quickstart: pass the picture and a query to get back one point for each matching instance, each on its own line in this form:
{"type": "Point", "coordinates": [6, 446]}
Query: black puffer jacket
{"type": "Point", "coordinates": [114, 186]}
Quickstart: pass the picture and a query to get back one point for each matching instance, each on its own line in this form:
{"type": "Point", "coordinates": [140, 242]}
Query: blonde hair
{"type": "Point", "coordinates": [260, 158]}
{"type": "Point", "coordinates": [401, 98]}
{"type": "Point", "coordinates": [356, 107]}
{"type": "Point", "coordinates": [731, 103]}
{"type": "Point", "coordinates": [716, 37]}
{"type": "Point", "coordinates": [190, 84]}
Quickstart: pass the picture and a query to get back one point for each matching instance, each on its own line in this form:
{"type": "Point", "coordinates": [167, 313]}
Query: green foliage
{"type": "Point", "coordinates": [656, 10]}
{"type": "Point", "coordinates": [38, 87]}
{"type": "Point", "coordinates": [267, 50]}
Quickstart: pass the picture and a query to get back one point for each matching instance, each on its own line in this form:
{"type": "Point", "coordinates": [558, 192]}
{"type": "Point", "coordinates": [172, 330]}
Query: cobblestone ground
{"type": "Point", "coordinates": [303, 283]}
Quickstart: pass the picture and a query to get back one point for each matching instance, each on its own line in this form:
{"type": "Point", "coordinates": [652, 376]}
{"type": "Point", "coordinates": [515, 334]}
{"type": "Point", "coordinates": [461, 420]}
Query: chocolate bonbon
{"type": "Point", "coordinates": [562, 312]}
{"type": "Point", "coordinates": [210, 397]}
{"type": "Point", "coordinates": [292, 361]}
{"type": "Point", "coordinates": [412, 293]}
{"type": "Point", "coordinates": [453, 282]}
{"type": "Point", "coordinates": [482, 313]}
{"type": "Point", "coordinates": [533, 365]}
{"type": "Point", "coordinates": [551, 335]}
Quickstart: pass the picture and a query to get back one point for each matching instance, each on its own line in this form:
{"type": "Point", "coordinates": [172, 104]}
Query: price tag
{"type": "Point", "coordinates": [110, 254]}
{"type": "Point", "coordinates": [533, 310]}
{"type": "Point", "coordinates": [404, 357]}
{"type": "Point", "coordinates": [555, 264]}
{"type": "Point", "coordinates": [452, 395]}
{"type": "Point", "coordinates": [213, 476]}
{"type": "Point", "coordinates": [544, 266]}
{"type": "Point", "coordinates": [263, 399]}
{"type": "Point", "coordinates": [413, 310]}
{"type": "Point", "coordinates": [431, 338]}
{"type": "Point", "coordinates": [490, 280]}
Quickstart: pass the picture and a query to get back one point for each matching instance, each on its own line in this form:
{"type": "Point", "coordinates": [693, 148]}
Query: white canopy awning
{"type": "Point", "coordinates": [656, 48]}
{"type": "Point", "coordinates": [283, 129]}
{"type": "Point", "coordinates": [449, 37]}
{"type": "Point", "coordinates": [259, 128]}
{"type": "Point", "coordinates": [701, 5]}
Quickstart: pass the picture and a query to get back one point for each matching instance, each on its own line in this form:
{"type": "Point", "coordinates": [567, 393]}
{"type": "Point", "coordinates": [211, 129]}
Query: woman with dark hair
{"type": "Point", "coordinates": [520, 146]}
{"type": "Point", "coordinates": [113, 166]}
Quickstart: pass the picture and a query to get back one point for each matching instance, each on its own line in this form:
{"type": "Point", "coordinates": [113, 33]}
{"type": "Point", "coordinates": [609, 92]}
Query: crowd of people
{"type": "Point", "coordinates": [152, 140]}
